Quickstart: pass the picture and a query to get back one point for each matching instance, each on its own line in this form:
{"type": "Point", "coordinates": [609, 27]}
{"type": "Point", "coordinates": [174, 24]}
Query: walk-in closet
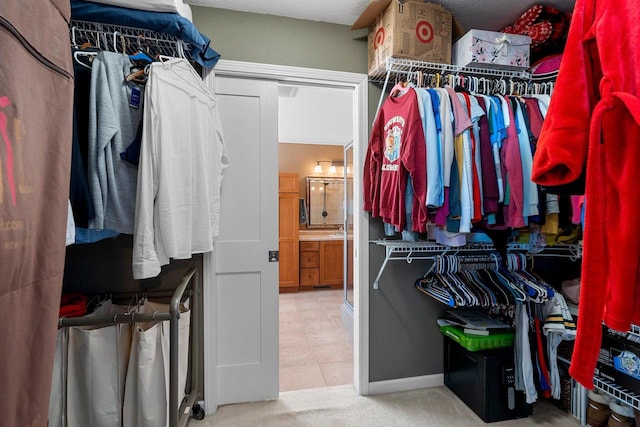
{"type": "Point", "coordinates": [161, 235]}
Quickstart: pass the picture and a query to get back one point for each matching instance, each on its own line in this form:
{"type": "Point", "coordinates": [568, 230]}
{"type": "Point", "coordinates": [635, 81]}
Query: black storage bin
{"type": "Point", "coordinates": [484, 381]}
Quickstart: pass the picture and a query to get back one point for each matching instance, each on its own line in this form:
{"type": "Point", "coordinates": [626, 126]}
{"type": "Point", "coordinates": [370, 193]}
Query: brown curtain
{"type": "Point", "coordinates": [36, 96]}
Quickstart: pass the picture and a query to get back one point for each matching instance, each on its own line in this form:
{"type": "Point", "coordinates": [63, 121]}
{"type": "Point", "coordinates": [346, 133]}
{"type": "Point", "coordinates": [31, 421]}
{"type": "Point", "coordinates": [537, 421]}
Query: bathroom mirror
{"type": "Point", "coordinates": [325, 198]}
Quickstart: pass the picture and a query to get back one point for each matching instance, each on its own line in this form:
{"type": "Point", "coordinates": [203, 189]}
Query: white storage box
{"type": "Point", "coordinates": [480, 48]}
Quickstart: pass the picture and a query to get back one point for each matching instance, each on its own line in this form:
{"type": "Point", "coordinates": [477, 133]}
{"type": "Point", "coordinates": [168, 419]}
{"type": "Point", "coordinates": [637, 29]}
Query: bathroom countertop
{"type": "Point", "coordinates": [316, 237]}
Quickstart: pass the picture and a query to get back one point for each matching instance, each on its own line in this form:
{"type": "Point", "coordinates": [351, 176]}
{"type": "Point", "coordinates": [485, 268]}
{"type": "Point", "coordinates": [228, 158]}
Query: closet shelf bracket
{"type": "Point", "coordinates": [398, 250]}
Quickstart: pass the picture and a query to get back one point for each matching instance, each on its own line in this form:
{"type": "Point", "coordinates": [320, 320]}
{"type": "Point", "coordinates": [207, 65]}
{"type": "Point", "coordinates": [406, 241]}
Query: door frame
{"type": "Point", "coordinates": [321, 78]}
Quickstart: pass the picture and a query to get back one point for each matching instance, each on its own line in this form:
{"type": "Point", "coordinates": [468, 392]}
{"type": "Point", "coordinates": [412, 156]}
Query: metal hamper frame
{"type": "Point", "coordinates": [178, 413]}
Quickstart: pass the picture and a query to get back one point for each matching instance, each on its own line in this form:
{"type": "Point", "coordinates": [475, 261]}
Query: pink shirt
{"type": "Point", "coordinates": [512, 171]}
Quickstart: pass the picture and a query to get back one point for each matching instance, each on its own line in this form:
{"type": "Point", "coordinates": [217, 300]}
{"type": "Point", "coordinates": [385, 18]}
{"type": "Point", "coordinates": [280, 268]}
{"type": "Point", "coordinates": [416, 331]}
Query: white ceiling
{"type": "Point", "coordinates": [305, 111]}
{"type": "Point", "coordinates": [481, 14]}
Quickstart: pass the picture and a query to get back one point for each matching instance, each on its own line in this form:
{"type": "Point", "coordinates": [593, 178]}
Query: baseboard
{"type": "Point", "coordinates": [404, 384]}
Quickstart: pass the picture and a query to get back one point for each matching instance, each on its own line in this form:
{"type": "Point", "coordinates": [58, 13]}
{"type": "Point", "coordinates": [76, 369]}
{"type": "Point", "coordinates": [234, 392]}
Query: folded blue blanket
{"type": "Point", "coordinates": [163, 22]}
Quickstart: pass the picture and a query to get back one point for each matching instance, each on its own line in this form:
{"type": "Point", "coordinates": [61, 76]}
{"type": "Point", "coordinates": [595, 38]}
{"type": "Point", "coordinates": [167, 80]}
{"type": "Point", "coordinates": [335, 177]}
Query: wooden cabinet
{"type": "Point", "coordinates": [289, 219]}
{"type": "Point", "coordinates": [331, 262]}
{"type": "Point", "coordinates": [321, 264]}
{"type": "Point", "coordinates": [309, 264]}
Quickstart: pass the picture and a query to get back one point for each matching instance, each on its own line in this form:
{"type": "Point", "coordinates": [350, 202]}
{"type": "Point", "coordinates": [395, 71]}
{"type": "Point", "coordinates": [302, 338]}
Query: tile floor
{"type": "Point", "coordinates": [316, 348]}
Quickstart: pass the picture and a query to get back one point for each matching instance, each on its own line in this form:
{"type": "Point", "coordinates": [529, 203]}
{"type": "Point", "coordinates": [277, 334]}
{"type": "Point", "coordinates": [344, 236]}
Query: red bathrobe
{"type": "Point", "coordinates": [594, 122]}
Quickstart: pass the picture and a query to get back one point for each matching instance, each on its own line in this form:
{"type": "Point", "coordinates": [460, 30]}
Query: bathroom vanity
{"type": "Point", "coordinates": [321, 259]}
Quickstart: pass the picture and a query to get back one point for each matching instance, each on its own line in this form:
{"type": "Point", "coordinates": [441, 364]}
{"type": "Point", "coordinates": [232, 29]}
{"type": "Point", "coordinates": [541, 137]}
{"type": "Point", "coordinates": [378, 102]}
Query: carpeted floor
{"type": "Point", "coordinates": [341, 406]}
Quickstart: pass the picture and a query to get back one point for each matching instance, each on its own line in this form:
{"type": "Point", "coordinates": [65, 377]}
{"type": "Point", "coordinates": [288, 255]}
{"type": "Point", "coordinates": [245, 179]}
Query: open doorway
{"type": "Point", "coordinates": [232, 366]}
{"type": "Point", "coordinates": [315, 125]}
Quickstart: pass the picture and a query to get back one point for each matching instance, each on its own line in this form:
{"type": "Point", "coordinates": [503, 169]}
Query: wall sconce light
{"type": "Point", "coordinates": [332, 168]}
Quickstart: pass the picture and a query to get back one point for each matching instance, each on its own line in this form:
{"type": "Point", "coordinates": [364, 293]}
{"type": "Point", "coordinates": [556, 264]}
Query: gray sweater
{"type": "Point", "coordinates": [112, 127]}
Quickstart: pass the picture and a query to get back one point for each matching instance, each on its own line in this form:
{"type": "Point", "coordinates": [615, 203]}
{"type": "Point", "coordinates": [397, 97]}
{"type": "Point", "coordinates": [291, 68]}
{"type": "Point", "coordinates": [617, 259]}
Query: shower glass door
{"type": "Point", "coordinates": [348, 224]}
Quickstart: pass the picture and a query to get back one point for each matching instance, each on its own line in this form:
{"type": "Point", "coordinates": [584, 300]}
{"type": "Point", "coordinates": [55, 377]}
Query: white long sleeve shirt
{"type": "Point", "coordinates": [182, 161]}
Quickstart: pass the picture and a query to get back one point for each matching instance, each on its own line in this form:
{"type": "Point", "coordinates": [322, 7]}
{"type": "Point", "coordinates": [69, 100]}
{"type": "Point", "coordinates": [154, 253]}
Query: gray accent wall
{"type": "Point", "coordinates": [404, 339]}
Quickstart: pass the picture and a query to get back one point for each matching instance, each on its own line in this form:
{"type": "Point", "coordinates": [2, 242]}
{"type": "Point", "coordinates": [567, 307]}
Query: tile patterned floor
{"type": "Point", "coordinates": [316, 348]}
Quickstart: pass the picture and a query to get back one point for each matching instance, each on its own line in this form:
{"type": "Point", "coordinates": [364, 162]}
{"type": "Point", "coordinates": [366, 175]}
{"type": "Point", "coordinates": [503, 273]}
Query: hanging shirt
{"type": "Point", "coordinates": [179, 179]}
{"type": "Point", "coordinates": [530, 189]}
{"type": "Point", "coordinates": [512, 167]}
{"type": "Point", "coordinates": [535, 117]}
{"type": "Point", "coordinates": [432, 146]}
{"type": "Point", "coordinates": [543, 103]}
{"type": "Point", "coordinates": [463, 157]}
{"type": "Point", "coordinates": [113, 121]}
{"type": "Point", "coordinates": [477, 159]}
{"type": "Point", "coordinates": [498, 133]}
{"type": "Point", "coordinates": [475, 112]}
{"type": "Point", "coordinates": [435, 104]}
{"type": "Point", "coordinates": [396, 149]}
{"type": "Point", "coordinates": [455, 207]}
{"type": "Point", "coordinates": [79, 192]}
{"type": "Point", "coordinates": [446, 138]}
{"type": "Point", "coordinates": [489, 179]}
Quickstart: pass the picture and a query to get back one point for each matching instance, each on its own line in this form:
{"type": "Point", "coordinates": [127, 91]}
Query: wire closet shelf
{"type": "Point", "coordinates": [485, 80]}
{"type": "Point", "coordinates": [399, 250]}
{"type": "Point", "coordinates": [401, 67]}
{"type": "Point", "coordinates": [128, 40]}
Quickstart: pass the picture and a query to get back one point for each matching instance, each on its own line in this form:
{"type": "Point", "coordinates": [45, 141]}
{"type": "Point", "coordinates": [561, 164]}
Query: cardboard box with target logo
{"type": "Point", "coordinates": [406, 29]}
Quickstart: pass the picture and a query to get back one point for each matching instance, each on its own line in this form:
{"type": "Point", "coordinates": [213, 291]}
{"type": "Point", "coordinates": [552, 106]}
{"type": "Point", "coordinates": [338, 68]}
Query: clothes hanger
{"type": "Point", "coordinates": [446, 282]}
{"type": "Point", "coordinates": [467, 289]}
{"type": "Point", "coordinates": [483, 293]}
{"type": "Point", "coordinates": [140, 56]}
{"type": "Point", "coordinates": [84, 58]}
{"type": "Point", "coordinates": [483, 264]}
{"type": "Point", "coordinates": [431, 287]}
{"type": "Point", "coordinates": [503, 296]}
{"type": "Point", "coordinates": [138, 77]}
{"type": "Point", "coordinates": [140, 60]}
{"type": "Point", "coordinates": [418, 79]}
{"type": "Point", "coordinates": [427, 80]}
{"type": "Point", "coordinates": [502, 275]}
{"type": "Point", "coordinates": [399, 89]}
{"type": "Point", "coordinates": [535, 291]}
{"type": "Point", "coordinates": [466, 293]}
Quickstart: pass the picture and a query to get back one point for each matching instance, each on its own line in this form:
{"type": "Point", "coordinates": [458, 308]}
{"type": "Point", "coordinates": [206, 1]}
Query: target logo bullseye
{"type": "Point", "coordinates": [424, 32]}
{"type": "Point", "coordinates": [379, 38]}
